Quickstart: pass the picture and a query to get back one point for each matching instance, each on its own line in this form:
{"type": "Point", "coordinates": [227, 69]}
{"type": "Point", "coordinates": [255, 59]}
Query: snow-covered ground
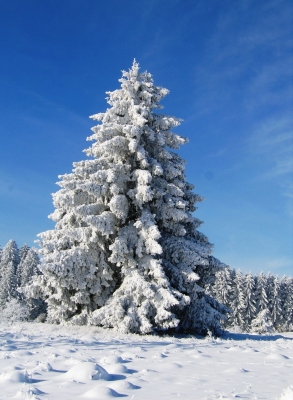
{"type": "Point", "coordinates": [40, 361]}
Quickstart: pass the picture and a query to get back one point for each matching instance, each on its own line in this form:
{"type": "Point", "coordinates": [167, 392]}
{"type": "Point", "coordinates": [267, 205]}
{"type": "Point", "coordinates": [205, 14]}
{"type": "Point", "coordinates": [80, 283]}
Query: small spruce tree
{"type": "Point", "coordinates": [262, 323]}
{"type": "Point", "coordinates": [29, 266]}
{"type": "Point", "coordinates": [126, 252]}
{"type": "Point", "coordinates": [249, 294]}
{"type": "Point", "coordinates": [275, 302]}
{"type": "Point", "coordinates": [261, 297]}
{"type": "Point", "coordinates": [238, 304]}
{"type": "Point", "coordinates": [8, 269]}
{"type": "Point", "coordinates": [22, 253]}
{"type": "Point", "coordinates": [286, 296]}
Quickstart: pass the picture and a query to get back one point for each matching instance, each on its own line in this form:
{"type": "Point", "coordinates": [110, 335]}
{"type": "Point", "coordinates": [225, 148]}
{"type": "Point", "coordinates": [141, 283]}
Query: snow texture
{"type": "Point", "coordinates": [43, 361]}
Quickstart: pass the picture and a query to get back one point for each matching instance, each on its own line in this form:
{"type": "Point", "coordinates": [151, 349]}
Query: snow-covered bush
{"type": "Point", "coordinates": [126, 252]}
{"type": "Point", "coordinates": [262, 323]}
{"type": "Point", "coordinates": [14, 311]}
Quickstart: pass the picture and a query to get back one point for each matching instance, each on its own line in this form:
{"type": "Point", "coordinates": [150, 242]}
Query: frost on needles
{"type": "Point", "coordinates": [126, 252]}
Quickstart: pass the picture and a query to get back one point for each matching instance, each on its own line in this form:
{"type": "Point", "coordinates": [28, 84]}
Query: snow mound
{"type": "Point", "coordinates": [275, 358]}
{"type": "Point", "coordinates": [112, 359]}
{"type": "Point", "coordinates": [15, 376]}
{"type": "Point", "coordinates": [160, 355]}
{"type": "Point", "coordinates": [117, 369]}
{"type": "Point", "coordinates": [101, 392]}
{"type": "Point", "coordinates": [236, 370]}
{"type": "Point", "coordinates": [235, 348]}
{"type": "Point", "coordinates": [124, 385]}
{"type": "Point", "coordinates": [86, 371]}
{"type": "Point", "coordinates": [200, 355]}
{"type": "Point", "coordinates": [250, 350]}
{"type": "Point", "coordinates": [21, 353]}
{"type": "Point", "coordinates": [127, 355]}
{"type": "Point", "coordinates": [89, 338]}
{"type": "Point", "coordinates": [28, 393]}
{"type": "Point", "coordinates": [43, 366]}
{"type": "Point", "coordinates": [173, 346]}
{"type": "Point", "coordinates": [287, 394]}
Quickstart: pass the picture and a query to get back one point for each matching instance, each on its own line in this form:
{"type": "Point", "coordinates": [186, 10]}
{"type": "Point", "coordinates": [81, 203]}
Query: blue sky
{"type": "Point", "coordinates": [228, 66]}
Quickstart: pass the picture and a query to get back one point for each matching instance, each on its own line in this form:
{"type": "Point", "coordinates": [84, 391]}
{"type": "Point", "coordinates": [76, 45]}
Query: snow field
{"type": "Point", "coordinates": [41, 361]}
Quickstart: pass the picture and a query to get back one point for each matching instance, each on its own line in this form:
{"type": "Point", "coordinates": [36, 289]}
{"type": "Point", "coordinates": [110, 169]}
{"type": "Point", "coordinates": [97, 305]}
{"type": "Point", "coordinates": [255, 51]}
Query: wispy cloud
{"type": "Point", "coordinates": [277, 266]}
{"type": "Point", "coordinates": [272, 141]}
{"type": "Point", "coordinates": [248, 60]}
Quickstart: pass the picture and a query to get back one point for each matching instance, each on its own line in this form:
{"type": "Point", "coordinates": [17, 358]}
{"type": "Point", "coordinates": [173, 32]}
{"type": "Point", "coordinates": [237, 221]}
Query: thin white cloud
{"type": "Point", "coordinates": [277, 265]}
{"type": "Point", "coordinates": [271, 149]}
{"type": "Point", "coordinates": [272, 141]}
{"type": "Point", "coordinates": [248, 58]}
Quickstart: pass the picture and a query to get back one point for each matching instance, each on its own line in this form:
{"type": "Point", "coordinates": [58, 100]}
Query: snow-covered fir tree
{"type": "Point", "coordinates": [222, 290]}
{"type": "Point", "coordinates": [8, 284]}
{"type": "Point", "coordinates": [262, 323]}
{"type": "Point", "coordinates": [261, 297]}
{"type": "Point", "coordinates": [275, 303]}
{"type": "Point", "coordinates": [29, 267]}
{"type": "Point", "coordinates": [10, 252]}
{"type": "Point", "coordinates": [238, 305]}
{"type": "Point", "coordinates": [286, 304]}
{"type": "Point", "coordinates": [8, 267]}
{"type": "Point", "coordinates": [222, 287]}
{"type": "Point", "coordinates": [249, 295]}
{"type": "Point", "coordinates": [209, 276]}
{"type": "Point", "coordinates": [22, 253]}
{"type": "Point", "coordinates": [126, 252]}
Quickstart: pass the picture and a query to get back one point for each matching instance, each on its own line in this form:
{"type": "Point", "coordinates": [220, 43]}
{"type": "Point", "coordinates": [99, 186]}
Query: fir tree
{"type": "Point", "coordinates": [262, 323]}
{"type": "Point", "coordinates": [239, 305]}
{"type": "Point", "coordinates": [286, 304]}
{"type": "Point", "coordinates": [8, 284]}
{"type": "Point", "coordinates": [249, 294]}
{"type": "Point", "coordinates": [126, 252]}
{"type": "Point", "coordinates": [29, 267]}
{"type": "Point", "coordinates": [222, 286]}
{"type": "Point", "coordinates": [221, 290]}
{"type": "Point", "coordinates": [261, 293]}
{"type": "Point", "coordinates": [275, 301]}
{"type": "Point", "coordinates": [10, 252]}
{"type": "Point", "coordinates": [210, 271]}
{"type": "Point", "coordinates": [8, 266]}
{"type": "Point", "coordinates": [22, 253]}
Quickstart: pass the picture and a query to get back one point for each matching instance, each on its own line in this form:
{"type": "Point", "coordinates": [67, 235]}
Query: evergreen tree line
{"type": "Point", "coordinates": [18, 267]}
{"type": "Point", "coordinates": [258, 303]}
